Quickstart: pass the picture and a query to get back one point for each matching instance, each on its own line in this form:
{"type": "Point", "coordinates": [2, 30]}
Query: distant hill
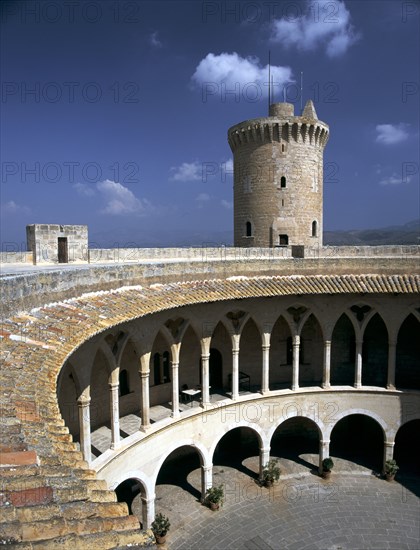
{"type": "Point", "coordinates": [129, 237]}
{"type": "Point", "coordinates": [408, 233]}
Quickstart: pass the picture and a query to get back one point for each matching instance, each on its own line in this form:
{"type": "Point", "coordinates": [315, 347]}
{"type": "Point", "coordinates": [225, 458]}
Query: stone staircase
{"type": "Point", "coordinates": [49, 498]}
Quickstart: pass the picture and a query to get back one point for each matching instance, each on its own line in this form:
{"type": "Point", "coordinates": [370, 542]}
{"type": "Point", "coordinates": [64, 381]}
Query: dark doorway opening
{"type": "Point", "coordinates": [63, 251]}
{"type": "Point", "coordinates": [216, 369]}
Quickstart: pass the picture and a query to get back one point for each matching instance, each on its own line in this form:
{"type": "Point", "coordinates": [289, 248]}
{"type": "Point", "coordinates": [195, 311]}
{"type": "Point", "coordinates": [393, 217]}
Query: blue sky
{"type": "Point", "coordinates": [115, 114]}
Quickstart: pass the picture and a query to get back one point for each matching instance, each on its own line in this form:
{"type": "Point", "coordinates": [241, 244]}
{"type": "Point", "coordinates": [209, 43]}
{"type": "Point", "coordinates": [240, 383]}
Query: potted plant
{"type": "Point", "coordinates": [160, 527]}
{"type": "Point", "coordinates": [327, 466]}
{"type": "Point", "coordinates": [271, 472]}
{"type": "Point", "coordinates": [214, 497]}
{"type": "Point", "coordinates": [391, 468]}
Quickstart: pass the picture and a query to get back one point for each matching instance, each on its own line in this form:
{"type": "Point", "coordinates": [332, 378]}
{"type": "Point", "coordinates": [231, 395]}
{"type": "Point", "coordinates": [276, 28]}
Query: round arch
{"type": "Point", "coordinates": [295, 442]}
{"type": "Point", "coordinates": [359, 438]}
{"type": "Point", "coordinates": [405, 438]}
{"type": "Point", "coordinates": [261, 436]}
{"type": "Point", "coordinates": [197, 446]}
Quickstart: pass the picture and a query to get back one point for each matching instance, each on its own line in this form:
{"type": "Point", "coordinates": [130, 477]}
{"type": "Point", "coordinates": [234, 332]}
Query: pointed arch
{"type": "Point", "coordinates": [407, 369]}
{"type": "Point", "coordinates": [311, 352]}
{"type": "Point", "coordinates": [343, 352]}
{"type": "Point", "coordinates": [281, 354]}
{"type": "Point", "coordinates": [375, 352]}
{"type": "Point", "coordinates": [250, 353]}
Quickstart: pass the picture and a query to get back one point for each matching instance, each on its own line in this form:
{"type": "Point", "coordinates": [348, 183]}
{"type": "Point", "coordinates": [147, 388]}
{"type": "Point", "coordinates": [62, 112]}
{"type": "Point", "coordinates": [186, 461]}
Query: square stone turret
{"type": "Point", "coordinates": [57, 244]}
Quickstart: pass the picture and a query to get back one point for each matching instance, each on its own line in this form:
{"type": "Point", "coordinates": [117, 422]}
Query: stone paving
{"type": "Point", "coordinates": [354, 510]}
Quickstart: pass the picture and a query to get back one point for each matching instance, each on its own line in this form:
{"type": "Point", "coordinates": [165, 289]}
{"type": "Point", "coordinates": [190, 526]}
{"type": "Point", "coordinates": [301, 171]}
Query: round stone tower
{"type": "Point", "coordinates": [278, 176]}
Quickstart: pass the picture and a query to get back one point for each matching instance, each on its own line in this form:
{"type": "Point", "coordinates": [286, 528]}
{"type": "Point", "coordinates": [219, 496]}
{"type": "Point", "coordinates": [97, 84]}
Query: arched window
{"type": "Point", "coordinates": [283, 182]}
{"type": "Point", "coordinates": [124, 386]}
{"type": "Point", "coordinates": [166, 367]}
{"type": "Point", "coordinates": [282, 147]}
{"type": "Point", "coordinates": [248, 229]}
{"type": "Point", "coordinates": [314, 229]}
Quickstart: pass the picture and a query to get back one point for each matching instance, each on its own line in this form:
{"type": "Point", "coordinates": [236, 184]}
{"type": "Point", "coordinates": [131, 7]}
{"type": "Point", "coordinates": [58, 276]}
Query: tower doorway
{"type": "Point", "coordinates": [63, 250]}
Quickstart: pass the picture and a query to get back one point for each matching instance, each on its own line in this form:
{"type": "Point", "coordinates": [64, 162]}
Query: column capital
{"type": "Point", "coordinates": [83, 401]}
{"type": "Point", "coordinates": [390, 444]}
{"type": "Point", "coordinates": [324, 441]}
{"type": "Point", "coordinates": [205, 356]}
{"type": "Point", "coordinates": [144, 374]}
{"type": "Point", "coordinates": [114, 385]}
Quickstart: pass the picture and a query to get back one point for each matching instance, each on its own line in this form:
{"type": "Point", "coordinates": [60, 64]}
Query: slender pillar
{"type": "Point", "coordinates": [148, 511]}
{"type": "Point", "coordinates": [144, 373]}
{"type": "Point", "coordinates": [265, 385]}
{"type": "Point", "coordinates": [235, 366]}
{"type": "Point", "coordinates": [175, 389]}
{"type": "Point", "coordinates": [358, 377]}
{"type": "Point", "coordinates": [392, 347]}
{"type": "Point", "coordinates": [115, 415]}
{"type": "Point", "coordinates": [324, 452]}
{"type": "Point", "coordinates": [145, 400]}
{"type": "Point", "coordinates": [205, 379]}
{"type": "Point", "coordinates": [388, 452]}
{"type": "Point", "coordinates": [206, 480]}
{"type": "Point", "coordinates": [327, 365]}
{"type": "Point", "coordinates": [264, 458]}
{"type": "Point", "coordinates": [296, 349]}
{"type": "Point", "coordinates": [84, 427]}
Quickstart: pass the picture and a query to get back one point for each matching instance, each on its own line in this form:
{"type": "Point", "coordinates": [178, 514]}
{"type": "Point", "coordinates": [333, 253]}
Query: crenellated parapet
{"type": "Point", "coordinates": [272, 129]}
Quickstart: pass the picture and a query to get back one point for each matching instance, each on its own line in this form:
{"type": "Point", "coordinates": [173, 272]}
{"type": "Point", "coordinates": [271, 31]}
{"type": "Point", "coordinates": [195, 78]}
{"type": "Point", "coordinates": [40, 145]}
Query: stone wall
{"type": "Point", "coordinates": [28, 290]}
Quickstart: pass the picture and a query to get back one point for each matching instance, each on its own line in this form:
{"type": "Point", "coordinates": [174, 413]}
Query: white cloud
{"type": "Point", "coordinates": [226, 204]}
{"type": "Point", "coordinates": [202, 198]}
{"type": "Point", "coordinates": [154, 40]}
{"type": "Point", "coordinates": [388, 134]}
{"type": "Point", "coordinates": [120, 200]}
{"type": "Point", "coordinates": [188, 171]}
{"type": "Point", "coordinates": [231, 75]}
{"type": "Point", "coordinates": [324, 24]}
{"type": "Point", "coordinates": [395, 179]}
{"type": "Point", "coordinates": [11, 207]}
{"type": "Point", "coordinates": [84, 190]}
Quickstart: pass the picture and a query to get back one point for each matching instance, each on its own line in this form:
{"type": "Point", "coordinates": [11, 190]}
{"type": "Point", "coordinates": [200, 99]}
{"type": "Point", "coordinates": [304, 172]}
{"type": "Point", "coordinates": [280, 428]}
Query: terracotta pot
{"type": "Point", "coordinates": [214, 506]}
{"type": "Point", "coordinates": [160, 539]}
{"type": "Point", "coordinates": [390, 477]}
{"type": "Point", "coordinates": [268, 482]}
{"type": "Point", "coordinates": [326, 474]}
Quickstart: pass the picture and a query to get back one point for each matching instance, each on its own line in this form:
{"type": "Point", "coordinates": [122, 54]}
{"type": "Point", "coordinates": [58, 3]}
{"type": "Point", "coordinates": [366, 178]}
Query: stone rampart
{"type": "Point", "coordinates": [23, 291]}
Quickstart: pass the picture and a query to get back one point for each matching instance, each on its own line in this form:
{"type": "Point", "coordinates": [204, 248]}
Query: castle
{"type": "Point", "coordinates": [116, 362]}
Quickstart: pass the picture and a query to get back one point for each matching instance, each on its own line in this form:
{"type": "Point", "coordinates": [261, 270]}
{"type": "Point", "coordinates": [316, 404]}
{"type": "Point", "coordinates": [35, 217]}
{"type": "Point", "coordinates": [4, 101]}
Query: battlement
{"type": "Point", "coordinates": [281, 126]}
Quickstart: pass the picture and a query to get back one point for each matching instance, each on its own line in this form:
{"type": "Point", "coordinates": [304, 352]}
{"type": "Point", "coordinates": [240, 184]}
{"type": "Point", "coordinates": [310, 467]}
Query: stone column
{"type": "Point", "coordinates": [388, 452]}
{"type": "Point", "coordinates": [145, 397]}
{"type": "Point", "coordinates": [205, 379]}
{"type": "Point", "coordinates": [296, 348]}
{"type": "Point", "coordinates": [392, 348]}
{"type": "Point", "coordinates": [327, 365]}
{"type": "Point", "coordinates": [148, 511]}
{"type": "Point", "coordinates": [206, 480]}
{"type": "Point", "coordinates": [265, 384]}
{"type": "Point", "coordinates": [84, 427]}
{"type": "Point", "coordinates": [175, 380]}
{"type": "Point", "coordinates": [235, 366]}
{"type": "Point", "coordinates": [324, 452]}
{"type": "Point", "coordinates": [358, 377]}
{"type": "Point", "coordinates": [115, 415]}
{"type": "Point", "coordinates": [264, 458]}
